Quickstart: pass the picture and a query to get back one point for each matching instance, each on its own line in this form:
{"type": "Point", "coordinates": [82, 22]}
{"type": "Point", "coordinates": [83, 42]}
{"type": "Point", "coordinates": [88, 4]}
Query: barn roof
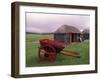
{"type": "Point", "coordinates": [67, 29]}
{"type": "Point", "coordinates": [85, 31]}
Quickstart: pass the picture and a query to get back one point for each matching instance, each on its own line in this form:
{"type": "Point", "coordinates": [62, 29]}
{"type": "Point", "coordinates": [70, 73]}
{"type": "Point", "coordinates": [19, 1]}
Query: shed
{"type": "Point", "coordinates": [67, 34]}
{"type": "Point", "coordinates": [85, 34]}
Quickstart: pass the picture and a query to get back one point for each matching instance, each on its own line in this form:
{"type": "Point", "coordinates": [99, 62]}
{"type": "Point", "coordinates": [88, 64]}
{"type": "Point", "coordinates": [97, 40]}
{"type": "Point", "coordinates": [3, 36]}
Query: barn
{"type": "Point", "coordinates": [67, 34]}
{"type": "Point", "coordinates": [85, 34]}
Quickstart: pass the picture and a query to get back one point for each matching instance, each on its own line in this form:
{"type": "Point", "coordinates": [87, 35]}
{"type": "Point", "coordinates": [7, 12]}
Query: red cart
{"type": "Point", "coordinates": [49, 49]}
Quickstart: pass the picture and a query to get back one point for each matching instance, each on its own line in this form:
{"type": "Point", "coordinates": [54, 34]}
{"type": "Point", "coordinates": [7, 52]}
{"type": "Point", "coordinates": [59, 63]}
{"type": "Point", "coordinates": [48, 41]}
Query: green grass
{"type": "Point", "coordinates": [83, 49]}
{"type": "Point", "coordinates": [32, 44]}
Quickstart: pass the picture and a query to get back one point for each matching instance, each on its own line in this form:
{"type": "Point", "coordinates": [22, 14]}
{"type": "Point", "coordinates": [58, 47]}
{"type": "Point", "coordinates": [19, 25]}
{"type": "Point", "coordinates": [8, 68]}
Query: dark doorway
{"type": "Point", "coordinates": [73, 37]}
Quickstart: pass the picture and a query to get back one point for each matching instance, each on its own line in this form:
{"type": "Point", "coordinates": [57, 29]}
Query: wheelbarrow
{"type": "Point", "coordinates": [49, 49]}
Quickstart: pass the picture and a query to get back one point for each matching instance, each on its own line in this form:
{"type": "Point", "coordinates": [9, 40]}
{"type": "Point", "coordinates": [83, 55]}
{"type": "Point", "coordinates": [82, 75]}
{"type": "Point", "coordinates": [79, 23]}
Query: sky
{"type": "Point", "coordinates": [49, 23]}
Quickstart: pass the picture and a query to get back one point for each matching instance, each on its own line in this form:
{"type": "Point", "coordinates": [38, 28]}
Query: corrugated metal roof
{"type": "Point", "coordinates": [67, 29]}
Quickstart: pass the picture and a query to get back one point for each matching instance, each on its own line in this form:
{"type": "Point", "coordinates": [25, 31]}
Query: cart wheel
{"type": "Point", "coordinates": [50, 54]}
{"type": "Point", "coordinates": [47, 53]}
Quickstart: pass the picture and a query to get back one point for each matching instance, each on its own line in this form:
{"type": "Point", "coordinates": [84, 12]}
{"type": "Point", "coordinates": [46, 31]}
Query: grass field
{"type": "Point", "coordinates": [32, 44]}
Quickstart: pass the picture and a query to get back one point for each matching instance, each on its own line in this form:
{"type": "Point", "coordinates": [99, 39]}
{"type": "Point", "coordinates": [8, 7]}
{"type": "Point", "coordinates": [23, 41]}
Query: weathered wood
{"type": "Point", "coordinates": [68, 54]}
{"type": "Point", "coordinates": [71, 51]}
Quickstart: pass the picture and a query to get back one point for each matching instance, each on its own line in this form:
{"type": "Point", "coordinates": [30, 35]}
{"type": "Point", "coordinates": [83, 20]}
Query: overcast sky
{"type": "Point", "coordinates": [43, 23]}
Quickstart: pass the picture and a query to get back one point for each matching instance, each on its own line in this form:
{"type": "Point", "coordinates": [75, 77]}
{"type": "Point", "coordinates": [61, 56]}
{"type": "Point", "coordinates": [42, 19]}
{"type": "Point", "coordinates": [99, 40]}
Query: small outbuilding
{"type": "Point", "coordinates": [85, 34]}
{"type": "Point", "coordinates": [67, 34]}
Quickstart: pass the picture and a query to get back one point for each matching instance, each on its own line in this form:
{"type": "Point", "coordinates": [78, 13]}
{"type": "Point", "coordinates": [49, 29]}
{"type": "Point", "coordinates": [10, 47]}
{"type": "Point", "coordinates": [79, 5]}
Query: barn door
{"type": "Point", "coordinates": [73, 37]}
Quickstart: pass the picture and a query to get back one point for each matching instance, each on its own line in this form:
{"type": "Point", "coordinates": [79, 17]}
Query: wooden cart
{"type": "Point", "coordinates": [49, 49]}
